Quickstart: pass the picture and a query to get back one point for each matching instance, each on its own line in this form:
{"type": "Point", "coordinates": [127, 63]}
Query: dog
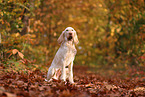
{"type": "Point", "coordinates": [62, 64]}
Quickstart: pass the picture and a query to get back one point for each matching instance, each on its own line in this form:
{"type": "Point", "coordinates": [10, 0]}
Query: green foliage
{"type": "Point", "coordinates": [110, 32]}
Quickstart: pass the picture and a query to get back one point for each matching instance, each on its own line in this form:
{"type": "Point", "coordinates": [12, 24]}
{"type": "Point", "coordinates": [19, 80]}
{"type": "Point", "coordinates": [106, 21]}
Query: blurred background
{"type": "Point", "coordinates": [110, 32]}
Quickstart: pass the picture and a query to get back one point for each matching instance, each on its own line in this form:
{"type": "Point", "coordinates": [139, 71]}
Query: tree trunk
{"type": "Point", "coordinates": [25, 18]}
{"type": "Point", "coordinates": [0, 39]}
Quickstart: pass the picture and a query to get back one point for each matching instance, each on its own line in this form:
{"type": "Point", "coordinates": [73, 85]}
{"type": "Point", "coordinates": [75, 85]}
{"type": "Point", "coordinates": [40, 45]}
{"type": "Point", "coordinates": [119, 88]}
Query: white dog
{"type": "Point", "coordinates": [63, 60]}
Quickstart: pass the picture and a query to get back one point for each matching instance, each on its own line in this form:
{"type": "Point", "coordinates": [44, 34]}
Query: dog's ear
{"type": "Point", "coordinates": [76, 41]}
{"type": "Point", "coordinates": [61, 38]}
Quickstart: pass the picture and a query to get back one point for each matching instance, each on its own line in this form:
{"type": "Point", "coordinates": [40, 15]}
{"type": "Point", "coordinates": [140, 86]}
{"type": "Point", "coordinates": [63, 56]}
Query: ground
{"type": "Point", "coordinates": [90, 82]}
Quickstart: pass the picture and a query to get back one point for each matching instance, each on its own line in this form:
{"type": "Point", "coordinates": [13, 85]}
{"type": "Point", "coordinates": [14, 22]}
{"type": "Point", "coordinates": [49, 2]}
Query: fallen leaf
{"type": "Point", "coordinates": [139, 89]}
{"type": "Point", "coordinates": [66, 93]}
{"type": "Point", "coordinates": [21, 55]}
{"type": "Point", "coordinates": [9, 94]}
{"type": "Point", "coordinates": [19, 83]}
{"type": "Point", "coordinates": [14, 51]}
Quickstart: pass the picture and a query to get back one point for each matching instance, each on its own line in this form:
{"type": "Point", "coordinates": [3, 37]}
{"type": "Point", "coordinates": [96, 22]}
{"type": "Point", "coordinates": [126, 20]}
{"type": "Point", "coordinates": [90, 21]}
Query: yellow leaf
{"type": "Point", "coordinates": [112, 34]}
{"type": "Point", "coordinates": [17, 34]}
{"type": "Point", "coordinates": [100, 5]}
{"type": "Point", "coordinates": [60, 22]}
{"type": "Point", "coordinates": [14, 51]}
{"type": "Point", "coordinates": [21, 55]}
{"type": "Point", "coordinates": [70, 18]}
{"type": "Point", "coordinates": [33, 35]}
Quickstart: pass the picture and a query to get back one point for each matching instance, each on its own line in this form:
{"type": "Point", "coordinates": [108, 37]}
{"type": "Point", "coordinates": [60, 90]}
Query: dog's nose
{"type": "Point", "coordinates": [70, 33]}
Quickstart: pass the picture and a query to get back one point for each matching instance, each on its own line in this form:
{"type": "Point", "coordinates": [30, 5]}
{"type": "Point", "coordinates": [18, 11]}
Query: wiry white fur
{"type": "Point", "coordinates": [64, 57]}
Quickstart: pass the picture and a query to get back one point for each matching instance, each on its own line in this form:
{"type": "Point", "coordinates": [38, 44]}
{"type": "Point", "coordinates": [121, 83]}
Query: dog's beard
{"type": "Point", "coordinates": [69, 38]}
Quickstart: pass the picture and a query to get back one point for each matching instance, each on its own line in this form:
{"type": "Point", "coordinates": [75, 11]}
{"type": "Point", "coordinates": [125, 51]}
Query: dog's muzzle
{"type": "Point", "coordinates": [69, 38]}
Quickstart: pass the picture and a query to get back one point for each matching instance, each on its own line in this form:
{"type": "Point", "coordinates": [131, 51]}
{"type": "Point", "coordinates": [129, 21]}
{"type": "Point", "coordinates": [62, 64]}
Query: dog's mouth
{"type": "Point", "coordinates": [69, 38]}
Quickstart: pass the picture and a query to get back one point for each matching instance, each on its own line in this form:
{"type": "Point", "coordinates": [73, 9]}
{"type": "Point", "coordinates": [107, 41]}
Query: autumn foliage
{"type": "Point", "coordinates": [110, 55]}
{"type": "Point", "coordinates": [110, 32]}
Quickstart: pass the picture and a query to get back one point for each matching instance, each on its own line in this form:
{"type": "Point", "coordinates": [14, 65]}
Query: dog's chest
{"type": "Point", "coordinates": [69, 51]}
{"type": "Point", "coordinates": [65, 55]}
{"type": "Point", "coordinates": [68, 54]}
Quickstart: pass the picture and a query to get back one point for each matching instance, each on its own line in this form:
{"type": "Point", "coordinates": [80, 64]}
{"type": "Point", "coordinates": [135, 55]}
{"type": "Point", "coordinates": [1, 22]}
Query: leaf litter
{"type": "Point", "coordinates": [87, 84]}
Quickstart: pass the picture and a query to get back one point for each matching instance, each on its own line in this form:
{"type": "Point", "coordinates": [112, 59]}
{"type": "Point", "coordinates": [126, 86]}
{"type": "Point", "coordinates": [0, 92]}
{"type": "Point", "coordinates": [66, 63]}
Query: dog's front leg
{"type": "Point", "coordinates": [70, 68]}
{"type": "Point", "coordinates": [63, 75]}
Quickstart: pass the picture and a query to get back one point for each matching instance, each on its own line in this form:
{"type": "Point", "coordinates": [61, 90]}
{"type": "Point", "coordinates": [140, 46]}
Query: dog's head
{"type": "Point", "coordinates": [69, 34]}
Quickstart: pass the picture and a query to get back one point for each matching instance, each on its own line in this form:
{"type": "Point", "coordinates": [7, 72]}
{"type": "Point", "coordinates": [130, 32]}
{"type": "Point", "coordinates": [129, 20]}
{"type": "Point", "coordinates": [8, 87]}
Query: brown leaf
{"type": "Point", "coordinates": [66, 93]}
{"type": "Point", "coordinates": [19, 83]}
{"type": "Point", "coordinates": [2, 89]}
{"type": "Point", "coordinates": [41, 88]}
{"type": "Point", "coordinates": [89, 85]}
{"type": "Point", "coordinates": [139, 89]}
{"type": "Point", "coordinates": [9, 94]}
{"type": "Point", "coordinates": [109, 87]}
{"type": "Point", "coordinates": [99, 83]}
{"type": "Point", "coordinates": [9, 51]}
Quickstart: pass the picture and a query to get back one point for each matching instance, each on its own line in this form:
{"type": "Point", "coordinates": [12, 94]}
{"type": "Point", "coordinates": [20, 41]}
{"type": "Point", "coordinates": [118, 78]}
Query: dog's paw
{"type": "Point", "coordinates": [63, 79]}
{"type": "Point", "coordinates": [74, 83]}
{"type": "Point", "coordinates": [46, 80]}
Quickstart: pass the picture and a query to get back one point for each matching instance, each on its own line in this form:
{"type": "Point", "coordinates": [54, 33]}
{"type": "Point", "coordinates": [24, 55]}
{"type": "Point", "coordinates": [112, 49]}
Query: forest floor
{"type": "Point", "coordinates": [90, 82]}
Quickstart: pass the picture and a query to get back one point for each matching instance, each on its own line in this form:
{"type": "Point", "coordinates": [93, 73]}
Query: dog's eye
{"type": "Point", "coordinates": [72, 30]}
{"type": "Point", "coordinates": [66, 30]}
